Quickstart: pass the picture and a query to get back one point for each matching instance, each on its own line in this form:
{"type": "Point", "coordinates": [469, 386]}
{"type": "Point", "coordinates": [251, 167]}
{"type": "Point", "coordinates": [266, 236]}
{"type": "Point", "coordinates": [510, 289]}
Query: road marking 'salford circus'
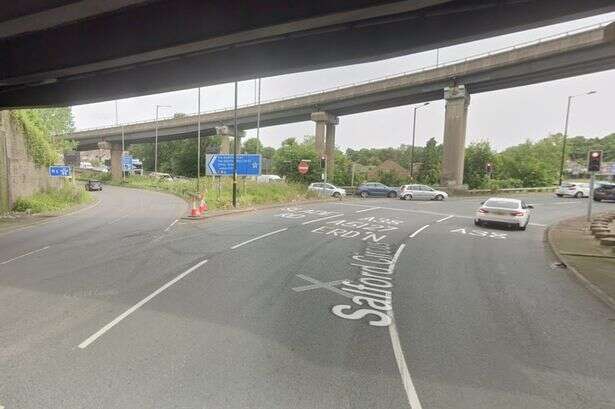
{"type": "Point", "coordinates": [138, 305]}
{"type": "Point", "coordinates": [481, 233]}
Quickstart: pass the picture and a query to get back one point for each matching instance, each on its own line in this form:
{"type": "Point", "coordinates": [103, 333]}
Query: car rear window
{"type": "Point", "coordinates": [502, 204]}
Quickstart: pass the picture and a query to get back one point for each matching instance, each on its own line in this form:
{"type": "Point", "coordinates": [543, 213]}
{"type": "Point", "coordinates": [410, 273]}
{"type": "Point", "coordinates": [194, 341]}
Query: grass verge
{"type": "Point", "coordinates": [53, 200]}
{"type": "Point", "coordinates": [219, 194]}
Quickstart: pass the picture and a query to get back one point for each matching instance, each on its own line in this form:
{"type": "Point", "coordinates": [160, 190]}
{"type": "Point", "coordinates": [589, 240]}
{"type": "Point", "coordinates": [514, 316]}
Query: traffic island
{"type": "Point", "coordinates": [590, 258]}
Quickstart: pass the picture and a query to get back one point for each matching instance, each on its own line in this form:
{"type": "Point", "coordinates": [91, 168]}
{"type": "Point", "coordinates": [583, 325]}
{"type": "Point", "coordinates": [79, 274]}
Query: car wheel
{"type": "Point", "coordinates": [439, 197]}
{"type": "Point", "coordinates": [558, 195]}
{"type": "Point", "coordinates": [408, 197]}
{"type": "Point", "coordinates": [336, 195]}
{"type": "Point", "coordinates": [597, 200]}
{"type": "Point", "coordinates": [364, 194]}
{"type": "Point", "coordinates": [392, 195]}
{"type": "Point", "coordinates": [477, 223]}
{"type": "Point", "coordinates": [578, 195]}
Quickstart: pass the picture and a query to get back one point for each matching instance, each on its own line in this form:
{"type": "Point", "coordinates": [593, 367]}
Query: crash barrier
{"type": "Point", "coordinates": [602, 227]}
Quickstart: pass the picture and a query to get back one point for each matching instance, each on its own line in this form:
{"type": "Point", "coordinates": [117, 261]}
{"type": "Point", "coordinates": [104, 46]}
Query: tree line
{"type": "Point", "coordinates": [529, 164]}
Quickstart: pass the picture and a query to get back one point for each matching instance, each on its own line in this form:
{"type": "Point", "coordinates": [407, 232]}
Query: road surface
{"type": "Point", "coordinates": [375, 303]}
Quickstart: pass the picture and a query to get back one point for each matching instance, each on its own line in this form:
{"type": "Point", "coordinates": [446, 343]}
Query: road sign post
{"type": "Point", "coordinates": [593, 165]}
{"type": "Point", "coordinates": [223, 164]}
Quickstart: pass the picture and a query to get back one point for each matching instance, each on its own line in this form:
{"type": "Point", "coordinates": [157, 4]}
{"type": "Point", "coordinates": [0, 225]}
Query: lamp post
{"type": "Point", "coordinates": [156, 140]}
{"type": "Point", "coordinates": [198, 142]}
{"type": "Point", "coordinates": [413, 138]}
{"type": "Point", "coordinates": [235, 131]}
{"type": "Point", "coordinates": [561, 168]}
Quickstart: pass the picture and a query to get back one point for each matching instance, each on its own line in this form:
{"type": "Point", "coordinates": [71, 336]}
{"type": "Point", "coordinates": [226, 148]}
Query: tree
{"type": "Point", "coordinates": [477, 156]}
{"type": "Point", "coordinates": [252, 145]}
{"type": "Point", "coordinates": [429, 172]}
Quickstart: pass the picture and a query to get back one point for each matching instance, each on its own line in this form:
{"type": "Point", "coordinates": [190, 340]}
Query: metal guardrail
{"type": "Point", "coordinates": [350, 190]}
{"type": "Point", "coordinates": [401, 74]}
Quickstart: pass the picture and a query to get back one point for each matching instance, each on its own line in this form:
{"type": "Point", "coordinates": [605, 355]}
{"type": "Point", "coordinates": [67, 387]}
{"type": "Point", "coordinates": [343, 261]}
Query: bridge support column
{"type": "Point", "coordinates": [325, 127]}
{"type": "Point", "coordinates": [225, 144]}
{"type": "Point", "coordinates": [116, 162]}
{"type": "Point", "coordinates": [455, 120]}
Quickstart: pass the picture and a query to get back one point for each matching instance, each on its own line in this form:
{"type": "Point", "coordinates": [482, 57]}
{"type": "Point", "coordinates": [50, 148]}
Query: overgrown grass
{"type": "Point", "coordinates": [249, 193]}
{"type": "Point", "coordinates": [39, 143]}
{"type": "Point", "coordinates": [53, 200]}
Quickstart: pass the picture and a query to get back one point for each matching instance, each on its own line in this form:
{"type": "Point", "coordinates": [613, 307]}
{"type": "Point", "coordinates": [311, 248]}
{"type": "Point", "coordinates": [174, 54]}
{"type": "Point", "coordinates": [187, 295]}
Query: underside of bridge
{"type": "Point", "coordinates": [68, 52]}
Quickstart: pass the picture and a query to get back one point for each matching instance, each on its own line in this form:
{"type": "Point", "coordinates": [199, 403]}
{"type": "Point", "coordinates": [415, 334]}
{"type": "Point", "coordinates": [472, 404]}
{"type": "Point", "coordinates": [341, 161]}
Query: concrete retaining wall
{"type": "Point", "coordinates": [19, 176]}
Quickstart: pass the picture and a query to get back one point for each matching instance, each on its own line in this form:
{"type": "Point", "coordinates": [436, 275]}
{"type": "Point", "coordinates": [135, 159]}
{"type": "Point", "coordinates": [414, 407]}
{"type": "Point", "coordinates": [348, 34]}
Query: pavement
{"type": "Point", "coordinates": [375, 303]}
{"type": "Point", "coordinates": [593, 264]}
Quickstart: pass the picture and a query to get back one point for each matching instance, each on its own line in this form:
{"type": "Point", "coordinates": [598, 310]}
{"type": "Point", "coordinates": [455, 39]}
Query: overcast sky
{"type": "Point", "coordinates": [504, 118]}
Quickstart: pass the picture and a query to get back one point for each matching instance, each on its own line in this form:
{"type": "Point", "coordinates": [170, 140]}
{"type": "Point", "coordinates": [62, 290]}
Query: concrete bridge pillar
{"type": "Point", "coordinates": [116, 161]}
{"type": "Point", "coordinates": [225, 144]}
{"type": "Point", "coordinates": [325, 128]}
{"type": "Point", "coordinates": [455, 120]}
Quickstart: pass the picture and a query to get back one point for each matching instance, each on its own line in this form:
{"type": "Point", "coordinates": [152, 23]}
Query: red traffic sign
{"type": "Point", "coordinates": [303, 167]}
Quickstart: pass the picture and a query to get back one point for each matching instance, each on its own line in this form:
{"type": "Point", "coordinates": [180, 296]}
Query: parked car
{"type": "Point", "coordinates": [328, 189]}
{"type": "Point", "coordinates": [162, 176]}
{"type": "Point", "coordinates": [502, 211]}
{"type": "Point", "coordinates": [268, 179]}
{"type": "Point", "coordinates": [375, 189]}
{"type": "Point", "coordinates": [93, 185]}
{"type": "Point", "coordinates": [573, 189]}
{"type": "Point", "coordinates": [411, 192]}
{"type": "Point", "coordinates": [604, 191]}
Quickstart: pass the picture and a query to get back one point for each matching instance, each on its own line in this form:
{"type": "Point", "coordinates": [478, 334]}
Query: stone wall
{"type": "Point", "coordinates": [19, 176]}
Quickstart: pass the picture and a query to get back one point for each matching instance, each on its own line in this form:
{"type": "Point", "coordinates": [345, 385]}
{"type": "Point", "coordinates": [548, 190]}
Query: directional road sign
{"type": "Point", "coordinates": [127, 163]}
{"type": "Point", "coordinates": [59, 171]}
{"type": "Point", "coordinates": [222, 165]}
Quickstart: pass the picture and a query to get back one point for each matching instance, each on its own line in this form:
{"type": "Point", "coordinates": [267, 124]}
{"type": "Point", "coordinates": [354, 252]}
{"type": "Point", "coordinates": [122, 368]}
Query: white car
{"type": "Point", "coordinates": [327, 189]}
{"type": "Point", "coordinates": [502, 211]}
{"type": "Point", "coordinates": [268, 179]}
{"type": "Point", "coordinates": [573, 189]}
{"type": "Point", "coordinates": [424, 192]}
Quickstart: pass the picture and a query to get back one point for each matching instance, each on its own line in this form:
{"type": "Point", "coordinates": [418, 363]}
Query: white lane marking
{"type": "Point", "coordinates": [367, 210]}
{"type": "Point", "coordinates": [135, 307]}
{"type": "Point", "coordinates": [538, 224]}
{"type": "Point", "coordinates": [171, 225]}
{"type": "Point", "coordinates": [258, 238]}
{"type": "Point", "coordinates": [320, 284]}
{"type": "Point", "coordinates": [409, 210]}
{"type": "Point", "coordinates": [413, 398]}
{"type": "Point", "coordinates": [323, 218]}
{"type": "Point", "coordinates": [418, 231]}
{"type": "Point", "coordinates": [445, 218]}
{"type": "Point", "coordinates": [558, 203]}
{"type": "Point", "coordinates": [119, 218]}
{"type": "Point", "coordinates": [24, 255]}
{"type": "Point", "coordinates": [315, 286]}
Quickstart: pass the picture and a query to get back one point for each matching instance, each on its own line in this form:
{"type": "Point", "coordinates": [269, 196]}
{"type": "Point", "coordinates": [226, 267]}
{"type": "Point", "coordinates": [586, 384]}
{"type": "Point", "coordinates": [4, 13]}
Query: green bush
{"type": "Point", "coordinates": [248, 194]}
{"type": "Point", "coordinates": [52, 200]}
{"type": "Point", "coordinates": [39, 144]}
{"type": "Point", "coordinates": [510, 183]}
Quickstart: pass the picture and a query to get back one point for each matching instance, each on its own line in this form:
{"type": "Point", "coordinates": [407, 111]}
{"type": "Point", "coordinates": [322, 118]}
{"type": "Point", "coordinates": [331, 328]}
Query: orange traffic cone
{"type": "Point", "coordinates": [195, 210]}
{"type": "Point", "coordinates": [203, 205]}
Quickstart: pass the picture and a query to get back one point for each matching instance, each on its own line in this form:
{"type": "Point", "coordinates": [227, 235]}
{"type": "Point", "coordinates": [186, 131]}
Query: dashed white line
{"type": "Point", "coordinates": [322, 218]}
{"type": "Point", "coordinates": [258, 238]}
{"type": "Point", "coordinates": [135, 307]}
{"type": "Point", "coordinates": [171, 225]}
{"type": "Point", "coordinates": [444, 218]}
{"type": "Point", "coordinates": [418, 231]}
{"type": "Point", "coordinates": [24, 255]}
{"type": "Point", "coordinates": [367, 210]}
{"type": "Point", "coordinates": [413, 398]}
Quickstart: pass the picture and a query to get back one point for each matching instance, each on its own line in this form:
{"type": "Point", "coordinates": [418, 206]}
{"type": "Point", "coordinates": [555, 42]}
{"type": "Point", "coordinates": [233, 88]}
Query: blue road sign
{"type": "Point", "coordinates": [59, 171]}
{"type": "Point", "coordinates": [222, 165]}
{"type": "Point", "coordinates": [127, 163]}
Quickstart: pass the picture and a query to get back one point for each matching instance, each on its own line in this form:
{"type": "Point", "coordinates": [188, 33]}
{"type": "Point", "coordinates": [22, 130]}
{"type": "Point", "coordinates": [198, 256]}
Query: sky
{"type": "Point", "coordinates": [504, 118]}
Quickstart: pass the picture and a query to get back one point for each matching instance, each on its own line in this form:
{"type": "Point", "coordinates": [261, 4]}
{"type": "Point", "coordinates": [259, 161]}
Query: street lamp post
{"type": "Point", "coordinates": [235, 131]}
{"type": "Point", "coordinates": [413, 139]}
{"type": "Point", "coordinates": [198, 142]}
{"type": "Point", "coordinates": [156, 137]}
{"type": "Point", "coordinates": [561, 167]}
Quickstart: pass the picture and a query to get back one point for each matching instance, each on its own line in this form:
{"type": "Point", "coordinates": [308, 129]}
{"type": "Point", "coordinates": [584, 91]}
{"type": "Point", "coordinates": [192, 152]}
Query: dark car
{"type": "Point", "coordinates": [604, 191]}
{"type": "Point", "coordinates": [93, 185]}
{"type": "Point", "coordinates": [375, 189]}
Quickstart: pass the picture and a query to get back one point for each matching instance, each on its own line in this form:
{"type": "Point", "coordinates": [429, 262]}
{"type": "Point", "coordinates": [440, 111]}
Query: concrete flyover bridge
{"type": "Point", "coordinates": [583, 51]}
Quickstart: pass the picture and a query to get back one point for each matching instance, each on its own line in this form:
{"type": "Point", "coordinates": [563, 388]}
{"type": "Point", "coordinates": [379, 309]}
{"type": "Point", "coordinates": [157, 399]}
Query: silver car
{"type": "Point", "coordinates": [502, 211]}
{"type": "Point", "coordinates": [327, 189]}
{"type": "Point", "coordinates": [421, 192]}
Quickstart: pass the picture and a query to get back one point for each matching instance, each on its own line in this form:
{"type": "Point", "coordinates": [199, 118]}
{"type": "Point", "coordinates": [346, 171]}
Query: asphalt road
{"type": "Point", "coordinates": [375, 303]}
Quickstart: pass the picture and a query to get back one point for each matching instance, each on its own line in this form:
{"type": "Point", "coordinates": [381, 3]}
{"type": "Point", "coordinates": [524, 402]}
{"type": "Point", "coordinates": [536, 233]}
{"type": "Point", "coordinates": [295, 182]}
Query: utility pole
{"type": "Point", "coordinates": [561, 167]}
{"type": "Point", "coordinates": [198, 142]}
{"type": "Point", "coordinates": [413, 139]}
{"type": "Point", "coordinates": [156, 137]}
{"type": "Point", "coordinates": [258, 119]}
{"type": "Point", "coordinates": [235, 150]}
